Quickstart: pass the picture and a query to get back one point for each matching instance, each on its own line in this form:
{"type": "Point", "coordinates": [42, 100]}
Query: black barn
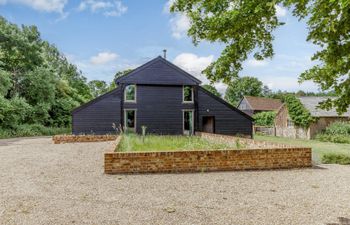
{"type": "Point", "coordinates": [165, 99]}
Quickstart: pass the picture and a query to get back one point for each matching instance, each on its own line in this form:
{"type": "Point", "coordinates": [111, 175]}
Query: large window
{"type": "Point", "coordinates": [130, 119]}
{"type": "Point", "coordinates": [187, 94]}
{"type": "Point", "coordinates": [188, 122]}
{"type": "Point", "coordinates": [130, 93]}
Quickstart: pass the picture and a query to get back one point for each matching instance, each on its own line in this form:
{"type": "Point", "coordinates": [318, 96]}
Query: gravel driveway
{"type": "Point", "coordinates": [43, 183]}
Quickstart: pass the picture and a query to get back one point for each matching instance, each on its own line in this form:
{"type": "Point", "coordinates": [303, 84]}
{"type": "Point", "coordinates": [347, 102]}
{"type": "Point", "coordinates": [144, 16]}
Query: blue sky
{"type": "Point", "coordinates": [104, 36]}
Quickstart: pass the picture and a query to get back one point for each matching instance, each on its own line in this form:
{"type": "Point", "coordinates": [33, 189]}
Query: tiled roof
{"type": "Point", "coordinates": [311, 103]}
{"type": "Point", "coordinates": [260, 103]}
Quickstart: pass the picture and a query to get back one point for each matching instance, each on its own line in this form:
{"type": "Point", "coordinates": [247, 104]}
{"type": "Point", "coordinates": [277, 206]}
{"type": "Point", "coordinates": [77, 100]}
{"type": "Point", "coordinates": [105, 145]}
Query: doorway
{"type": "Point", "coordinates": [208, 124]}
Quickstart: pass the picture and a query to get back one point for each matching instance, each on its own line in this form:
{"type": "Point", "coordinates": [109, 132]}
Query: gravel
{"type": "Point", "coordinates": [43, 183]}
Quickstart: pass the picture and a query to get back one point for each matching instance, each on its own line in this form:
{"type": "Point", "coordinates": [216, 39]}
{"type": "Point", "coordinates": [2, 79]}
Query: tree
{"type": "Point", "coordinates": [117, 75]}
{"type": "Point", "coordinates": [98, 87]}
{"type": "Point", "coordinates": [212, 89]}
{"type": "Point", "coordinates": [246, 27]}
{"type": "Point", "coordinates": [264, 118]}
{"type": "Point", "coordinates": [250, 86]}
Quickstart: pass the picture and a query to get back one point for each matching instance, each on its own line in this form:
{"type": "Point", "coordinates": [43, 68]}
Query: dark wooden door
{"type": "Point", "coordinates": [208, 124]}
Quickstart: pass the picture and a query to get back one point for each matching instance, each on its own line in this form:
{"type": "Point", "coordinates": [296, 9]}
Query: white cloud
{"type": "Point", "coordinates": [106, 7]}
{"type": "Point", "coordinates": [192, 63]}
{"type": "Point", "coordinates": [40, 5]}
{"type": "Point", "coordinates": [280, 11]}
{"type": "Point", "coordinates": [180, 24]}
{"type": "Point", "coordinates": [287, 83]}
{"type": "Point", "coordinates": [103, 58]}
{"type": "Point", "coordinates": [256, 63]}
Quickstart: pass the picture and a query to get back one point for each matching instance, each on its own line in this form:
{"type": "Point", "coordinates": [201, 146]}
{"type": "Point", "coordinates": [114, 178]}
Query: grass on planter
{"type": "Point", "coordinates": [134, 142]}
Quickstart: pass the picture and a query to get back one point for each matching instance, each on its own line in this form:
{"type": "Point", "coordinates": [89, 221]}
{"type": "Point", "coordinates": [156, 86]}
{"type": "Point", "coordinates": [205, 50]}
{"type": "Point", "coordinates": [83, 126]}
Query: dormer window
{"type": "Point", "coordinates": [187, 94]}
{"type": "Point", "coordinates": [130, 93]}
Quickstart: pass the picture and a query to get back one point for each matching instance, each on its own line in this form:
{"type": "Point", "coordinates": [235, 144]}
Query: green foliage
{"type": "Point", "coordinates": [297, 112]}
{"type": "Point", "coordinates": [37, 83]}
{"type": "Point", "coordinates": [32, 130]}
{"type": "Point", "coordinates": [117, 75]}
{"type": "Point", "coordinates": [212, 89]}
{"type": "Point", "coordinates": [250, 86]}
{"type": "Point", "coordinates": [338, 132]}
{"type": "Point", "coordinates": [264, 118]}
{"type": "Point", "coordinates": [336, 138]}
{"type": "Point", "coordinates": [342, 128]}
{"type": "Point", "coordinates": [247, 28]}
{"type": "Point", "coordinates": [332, 158]}
{"type": "Point", "coordinates": [98, 87]}
{"type": "Point", "coordinates": [134, 142]}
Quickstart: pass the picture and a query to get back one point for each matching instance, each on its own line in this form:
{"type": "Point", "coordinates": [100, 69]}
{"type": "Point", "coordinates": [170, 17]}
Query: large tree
{"type": "Point", "coordinates": [212, 89]}
{"type": "Point", "coordinates": [250, 86]}
{"type": "Point", "coordinates": [246, 27]}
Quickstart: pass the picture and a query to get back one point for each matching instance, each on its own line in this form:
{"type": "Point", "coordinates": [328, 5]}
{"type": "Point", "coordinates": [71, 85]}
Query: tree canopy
{"type": "Point", "coordinates": [250, 86]}
{"type": "Point", "coordinates": [246, 27]}
{"type": "Point", "coordinates": [37, 83]}
{"type": "Point", "coordinates": [212, 89]}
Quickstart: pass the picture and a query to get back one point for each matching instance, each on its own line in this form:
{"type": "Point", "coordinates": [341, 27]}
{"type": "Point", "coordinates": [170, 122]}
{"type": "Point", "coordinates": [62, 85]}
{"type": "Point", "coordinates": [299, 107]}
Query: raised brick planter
{"type": "Point", "coordinates": [59, 139]}
{"type": "Point", "coordinates": [275, 157]}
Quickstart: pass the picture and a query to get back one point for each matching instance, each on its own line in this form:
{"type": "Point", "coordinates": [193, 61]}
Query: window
{"type": "Point", "coordinates": [187, 94]}
{"type": "Point", "coordinates": [130, 93]}
{"type": "Point", "coordinates": [243, 106]}
{"type": "Point", "coordinates": [188, 122]}
{"type": "Point", "coordinates": [130, 119]}
{"type": "Point", "coordinates": [290, 123]}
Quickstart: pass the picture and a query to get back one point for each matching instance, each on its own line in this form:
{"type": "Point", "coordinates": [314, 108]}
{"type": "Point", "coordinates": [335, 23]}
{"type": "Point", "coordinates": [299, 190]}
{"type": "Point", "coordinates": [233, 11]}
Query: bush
{"type": "Point", "coordinates": [338, 128]}
{"type": "Point", "coordinates": [264, 118]}
{"type": "Point", "coordinates": [336, 138]}
{"type": "Point", "coordinates": [27, 130]}
{"type": "Point", "coordinates": [333, 158]}
{"type": "Point", "coordinates": [338, 132]}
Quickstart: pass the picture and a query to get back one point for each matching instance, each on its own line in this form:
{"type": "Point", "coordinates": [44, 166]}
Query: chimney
{"type": "Point", "coordinates": [164, 53]}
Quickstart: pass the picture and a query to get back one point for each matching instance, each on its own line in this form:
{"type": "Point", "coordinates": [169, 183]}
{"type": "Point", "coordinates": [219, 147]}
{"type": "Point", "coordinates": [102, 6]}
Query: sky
{"type": "Point", "coordinates": [102, 37]}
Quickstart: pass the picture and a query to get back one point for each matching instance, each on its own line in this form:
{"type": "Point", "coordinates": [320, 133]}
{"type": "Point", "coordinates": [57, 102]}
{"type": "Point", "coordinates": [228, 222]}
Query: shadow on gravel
{"type": "Point", "coordinates": [342, 221]}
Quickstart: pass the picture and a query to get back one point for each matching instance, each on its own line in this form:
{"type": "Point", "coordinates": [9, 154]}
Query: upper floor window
{"type": "Point", "coordinates": [187, 93]}
{"type": "Point", "coordinates": [130, 93]}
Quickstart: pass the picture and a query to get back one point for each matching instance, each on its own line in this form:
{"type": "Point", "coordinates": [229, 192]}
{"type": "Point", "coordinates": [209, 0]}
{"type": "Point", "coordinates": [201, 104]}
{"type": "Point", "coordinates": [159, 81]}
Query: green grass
{"type": "Point", "coordinates": [133, 142]}
{"type": "Point", "coordinates": [319, 148]}
{"type": "Point", "coordinates": [332, 158]}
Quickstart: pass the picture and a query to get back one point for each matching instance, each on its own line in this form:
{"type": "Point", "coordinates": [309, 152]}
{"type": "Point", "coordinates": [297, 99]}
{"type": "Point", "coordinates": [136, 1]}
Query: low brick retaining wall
{"type": "Point", "coordinates": [278, 157]}
{"type": "Point", "coordinates": [59, 139]}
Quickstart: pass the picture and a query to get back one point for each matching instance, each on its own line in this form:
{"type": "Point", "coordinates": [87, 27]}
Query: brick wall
{"type": "Point", "coordinates": [59, 139]}
{"type": "Point", "coordinates": [277, 157]}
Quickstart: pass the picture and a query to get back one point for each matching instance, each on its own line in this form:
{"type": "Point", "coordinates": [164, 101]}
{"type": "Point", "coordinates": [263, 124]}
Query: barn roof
{"type": "Point", "coordinates": [311, 104]}
{"type": "Point", "coordinates": [260, 103]}
{"type": "Point", "coordinates": [158, 71]}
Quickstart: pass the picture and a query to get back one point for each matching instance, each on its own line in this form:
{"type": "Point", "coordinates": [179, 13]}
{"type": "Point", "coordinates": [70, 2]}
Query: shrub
{"type": "Point", "coordinates": [338, 128]}
{"type": "Point", "coordinates": [333, 158]}
{"type": "Point", "coordinates": [338, 132]}
{"type": "Point", "coordinates": [264, 118]}
{"type": "Point", "coordinates": [26, 130]}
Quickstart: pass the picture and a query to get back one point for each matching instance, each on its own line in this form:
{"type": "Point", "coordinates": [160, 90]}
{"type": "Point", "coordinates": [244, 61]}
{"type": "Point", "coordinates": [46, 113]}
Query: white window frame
{"type": "Point", "coordinates": [183, 120]}
{"type": "Point", "coordinates": [183, 94]}
{"type": "Point", "coordinates": [125, 119]}
{"type": "Point", "coordinates": [133, 101]}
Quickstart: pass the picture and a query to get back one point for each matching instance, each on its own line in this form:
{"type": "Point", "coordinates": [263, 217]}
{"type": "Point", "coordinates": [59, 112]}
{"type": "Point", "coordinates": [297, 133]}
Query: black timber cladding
{"type": "Point", "coordinates": [159, 105]}
{"type": "Point", "coordinates": [159, 108]}
{"type": "Point", "coordinates": [98, 115]}
{"type": "Point", "coordinates": [228, 119]}
{"type": "Point", "coordinates": [158, 71]}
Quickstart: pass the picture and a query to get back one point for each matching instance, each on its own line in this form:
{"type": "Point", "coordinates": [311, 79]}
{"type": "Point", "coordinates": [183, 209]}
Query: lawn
{"type": "Point", "coordinates": [133, 142]}
{"type": "Point", "coordinates": [318, 148]}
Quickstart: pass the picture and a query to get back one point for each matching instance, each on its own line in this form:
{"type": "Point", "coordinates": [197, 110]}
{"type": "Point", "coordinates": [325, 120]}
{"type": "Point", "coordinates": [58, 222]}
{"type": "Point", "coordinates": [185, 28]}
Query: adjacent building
{"type": "Point", "coordinates": [252, 105]}
{"type": "Point", "coordinates": [285, 127]}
